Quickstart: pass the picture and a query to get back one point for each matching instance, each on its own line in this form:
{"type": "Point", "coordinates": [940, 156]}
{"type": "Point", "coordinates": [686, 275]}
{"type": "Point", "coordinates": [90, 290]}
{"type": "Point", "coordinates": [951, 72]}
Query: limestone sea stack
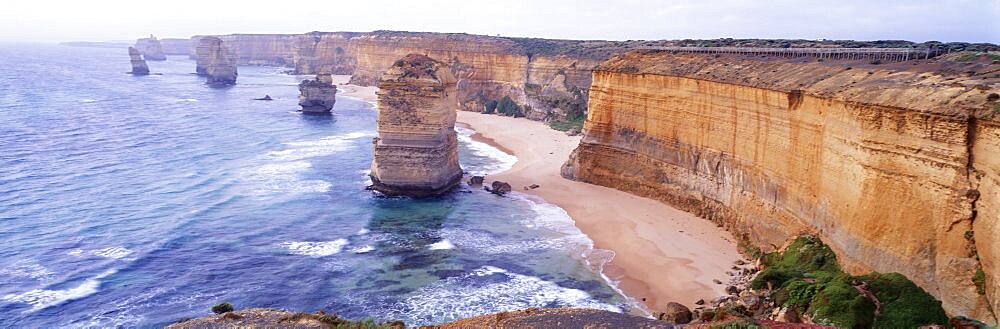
{"type": "Point", "coordinates": [416, 151]}
{"type": "Point", "coordinates": [151, 48]}
{"type": "Point", "coordinates": [216, 61]}
{"type": "Point", "coordinates": [139, 66]}
{"type": "Point", "coordinates": [317, 96]}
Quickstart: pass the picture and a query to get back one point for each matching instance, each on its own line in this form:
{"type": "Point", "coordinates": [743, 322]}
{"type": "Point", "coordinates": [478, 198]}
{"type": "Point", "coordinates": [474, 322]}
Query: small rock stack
{"type": "Point", "coordinates": [416, 152]}
{"type": "Point", "coordinates": [139, 66]}
{"type": "Point", "coordinates": [317, 96]}
{"type": "Point", "coordinates": [214, 60]}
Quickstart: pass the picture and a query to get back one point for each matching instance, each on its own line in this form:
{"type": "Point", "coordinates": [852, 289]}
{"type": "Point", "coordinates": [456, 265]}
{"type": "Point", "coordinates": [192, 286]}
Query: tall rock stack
{"type": "Point", "coordinates": [214, 60]}
{"type": "Point", "coordinates": [151, 48]}
{"type": "Point", "coordinates": [139, 66]}
{"type": "Point", "coordinates": [317, 96]}
{"type": "Point", "coordinates": [416, 152]}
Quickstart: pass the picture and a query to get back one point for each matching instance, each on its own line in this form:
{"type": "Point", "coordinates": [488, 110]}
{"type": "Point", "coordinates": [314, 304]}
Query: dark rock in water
{"type": "Point", "coordinates": [476, 180]}
{"type": "Point", "coordinates": [499, 188]}
{"type": "Point", "coordinates": [265, 98]}
{"type": "Point", "coordinates": [675, 313]}
{"type": "Point", "coordinates": [215, 60]}
{"type": "Point", "coordinates": [317, 96]}
{"type": "Point", "coordinates": [139, 66]}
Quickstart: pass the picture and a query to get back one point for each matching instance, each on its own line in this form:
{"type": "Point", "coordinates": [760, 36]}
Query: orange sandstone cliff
{"type": "Point", "coordinates": [894, 166]}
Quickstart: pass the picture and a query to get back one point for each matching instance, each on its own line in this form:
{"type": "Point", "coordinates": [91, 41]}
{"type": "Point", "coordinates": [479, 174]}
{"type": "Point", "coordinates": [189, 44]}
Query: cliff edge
{"type": "Point", "coordinates": [887, 163]}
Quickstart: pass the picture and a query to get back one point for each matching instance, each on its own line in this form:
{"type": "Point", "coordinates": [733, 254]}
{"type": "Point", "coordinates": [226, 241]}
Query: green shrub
{"type": "Point", "coordinates": [904, 304]}
{"type": "Point", "coordinates": [573, 120]}
{"type": "Point", "coordinates": [222, 308]}
{"type": "Point", "coordinates": [507, 107]}
{"type": "Point", "coordinates": [741, 324]}
{"type": "Point", "coordinates": [980, 278]}
{"type": "Point", "coordinates": [840, 304]}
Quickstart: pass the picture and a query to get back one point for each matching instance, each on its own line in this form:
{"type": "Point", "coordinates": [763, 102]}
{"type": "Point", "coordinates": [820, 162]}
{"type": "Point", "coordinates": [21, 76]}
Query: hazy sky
{"type": "Point", "coordinates": [917, 20]}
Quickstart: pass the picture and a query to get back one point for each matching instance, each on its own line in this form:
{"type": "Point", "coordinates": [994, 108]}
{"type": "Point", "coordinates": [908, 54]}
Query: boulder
{"type": "Point", "coordinates": [416, 151]}
{"type": "Point", "coordinates": [675, 313]}
{"type": "Point", "coordinates": [476, 180]}
{"type": "Point", "coordinates": [499, 188]}
{"type": "Point", "coordinates": [139, 66]}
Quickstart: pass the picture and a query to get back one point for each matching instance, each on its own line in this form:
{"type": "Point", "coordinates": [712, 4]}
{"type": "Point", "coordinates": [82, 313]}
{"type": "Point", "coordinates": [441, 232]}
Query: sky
{"type": "Point", "coordinates": [915, 20]}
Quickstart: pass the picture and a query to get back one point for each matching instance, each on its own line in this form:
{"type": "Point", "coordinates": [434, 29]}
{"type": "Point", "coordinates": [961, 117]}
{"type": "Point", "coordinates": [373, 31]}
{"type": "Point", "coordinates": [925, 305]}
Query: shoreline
{"type": "Point", "coordinates": [661, 254]}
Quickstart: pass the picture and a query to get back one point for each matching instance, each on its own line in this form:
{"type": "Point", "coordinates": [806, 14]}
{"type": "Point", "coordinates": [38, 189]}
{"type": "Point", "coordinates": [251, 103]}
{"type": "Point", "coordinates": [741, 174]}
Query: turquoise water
{"type": "Point", "coordinates": [137, 201]}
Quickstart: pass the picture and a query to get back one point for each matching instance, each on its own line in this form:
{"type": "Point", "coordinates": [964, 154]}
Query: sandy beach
{"type": "Point", "coordinates": [662, 254]}
{"type": "Point", "coordinates": [366, 94]}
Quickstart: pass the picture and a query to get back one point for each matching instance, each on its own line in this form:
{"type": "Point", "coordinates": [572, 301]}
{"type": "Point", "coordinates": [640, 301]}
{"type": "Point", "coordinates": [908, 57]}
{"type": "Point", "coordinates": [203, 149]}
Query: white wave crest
{"type": "Point", "coordinates": [26, 269]}
{"type": "Point", "coordinates": [113, 252]}
{"type": "Point", "coordinates": [43, 298]}
{"type": "Point", "coordinates": [364, 249]}
{"type": "Point", "coordinates": [313, 148]}
{"type": "Point", "coordinates": [441, 245]}
{"type": "Point", "coordinates": [315, 249]}
{"type": "Point", "coordinates": [465, 296]}
{"type": "Point", "coordinates": [502, 160]}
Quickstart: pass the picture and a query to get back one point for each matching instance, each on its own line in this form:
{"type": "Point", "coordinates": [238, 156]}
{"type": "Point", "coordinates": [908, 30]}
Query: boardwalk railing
{"type": "Point", "coordinates": [869, 54]}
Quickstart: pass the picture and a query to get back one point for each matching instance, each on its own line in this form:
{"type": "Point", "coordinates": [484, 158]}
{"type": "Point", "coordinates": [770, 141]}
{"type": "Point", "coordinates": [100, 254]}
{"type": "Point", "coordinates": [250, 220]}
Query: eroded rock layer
{"type": "Point", "coordinates": [894, 166]}
{"type": "Point", "coordinates": [215, 61]}
{"type": "Point", "coordinates": [416, 151]}
{"type": "Point", "coordinates": [151, 49]}
{"type": "Point", "coordinates": [319, 95]}
{"type": "Point", "coordinates": [139, 66]}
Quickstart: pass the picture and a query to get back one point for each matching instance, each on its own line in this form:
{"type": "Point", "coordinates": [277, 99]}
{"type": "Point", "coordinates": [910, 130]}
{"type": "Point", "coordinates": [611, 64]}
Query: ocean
{"type": "Point", "coordinates": [139, 201]}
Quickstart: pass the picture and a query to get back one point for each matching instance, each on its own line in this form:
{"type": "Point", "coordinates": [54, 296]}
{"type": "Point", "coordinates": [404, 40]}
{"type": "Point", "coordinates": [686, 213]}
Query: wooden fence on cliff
{"type": "Point", "coordinates": [866, 54]}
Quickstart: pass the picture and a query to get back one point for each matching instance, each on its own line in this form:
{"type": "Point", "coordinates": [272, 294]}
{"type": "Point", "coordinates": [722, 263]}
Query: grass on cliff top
{"type": "Point", "coordinates": [573, 120]}
{"type": "Point", "coordinates": [807, 276]}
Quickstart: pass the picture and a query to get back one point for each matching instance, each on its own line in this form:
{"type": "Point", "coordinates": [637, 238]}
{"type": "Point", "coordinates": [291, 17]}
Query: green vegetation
{"type": "Point", "coordinates": [333, 321]}
{"type": "Point", "coordinates": [573, 120]}
{"type": "Point", "coordinates": [807, 277]}
{"type": "Point", "coordinates": [980, 280]}
{"type": "Point", "coordinates": [741, 324]}
{"type": "Point", "coordinates": [222, 308]}
{"type": "Point", "coordinates": [972, 56]}
{"type": "Point", "coordinates": [902, 301]}
{"type": "Point", "coordinates": [507, 107]}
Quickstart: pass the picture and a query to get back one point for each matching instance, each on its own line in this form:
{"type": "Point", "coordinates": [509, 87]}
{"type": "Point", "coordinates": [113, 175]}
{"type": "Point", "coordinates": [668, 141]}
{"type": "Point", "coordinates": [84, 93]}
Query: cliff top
{"type": "Point", "coordinates": [938, 85]}
{"type": "Point", "coordinates": [417, 66]}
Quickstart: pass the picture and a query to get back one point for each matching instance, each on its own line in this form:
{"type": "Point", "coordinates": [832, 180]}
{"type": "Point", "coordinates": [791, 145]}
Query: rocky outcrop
{"type": "Point", "coordinates": [416, 151]}
{"type": "Point", "coordinates": [319, 95]}
{"type": "Point", "coordinates": [257, 49]}
{"type": "Point", "coordinates": [139, 66]}
{"type": "Point", "coordinates": [151, 49]}
{"type": "Point", "coordinates": [215, 61]}
{"type": "Point", "coordinates": [892, 165]}
{"type": "Point", "coordinates": [318, 52]}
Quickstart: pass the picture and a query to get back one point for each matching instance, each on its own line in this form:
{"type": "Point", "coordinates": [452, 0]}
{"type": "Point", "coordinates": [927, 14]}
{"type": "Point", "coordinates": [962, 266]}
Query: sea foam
{"type": "Point", "coordinates": [473, 294]}
{"type": "Point", "coordinates": [43, 298]}
{"type": "Point", "coordinates": [315, 249]}
{"type": "Point", "coordinates": [503, 161]}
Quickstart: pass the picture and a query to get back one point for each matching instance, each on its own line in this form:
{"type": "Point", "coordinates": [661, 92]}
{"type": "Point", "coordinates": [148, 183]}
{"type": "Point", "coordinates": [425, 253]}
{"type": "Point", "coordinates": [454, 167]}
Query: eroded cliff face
{"type": "Point", "coordinates": [257, 49]}
{"type": "Point", "coordinates": [879, 161]}
{"type": "Point", "coordinates": [151, 49]}
{"type": "Point", "coordinates": [416, 151]}
{"type": "Point", "coordinates": [331, 53]}
{"type": "Point", "coordinates": [216, 61]}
